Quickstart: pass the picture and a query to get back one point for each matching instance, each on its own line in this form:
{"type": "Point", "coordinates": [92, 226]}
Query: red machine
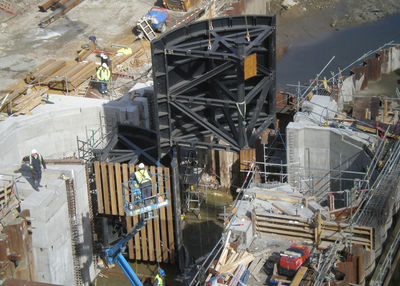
{"type": "Point", "coordinates": [291, 259]}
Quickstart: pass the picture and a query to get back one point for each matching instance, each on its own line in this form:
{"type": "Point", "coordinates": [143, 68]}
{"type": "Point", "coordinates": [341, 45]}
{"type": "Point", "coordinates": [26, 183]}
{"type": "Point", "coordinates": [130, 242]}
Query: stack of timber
{"type": "Point", "coordinates": [232, 262]}
{"type": "Point", "coordinates": [60, 75]}
{"type": "Point", "coordinates": [21, 99]}
{"type": "Point", "coordinates": [318, 231]}
{"type": "Point", "coordinates": [66, 77]}
{"type": "Point", "coordinates": [7, 197]}
{"type": "Point", "coordinates": [60, 7]}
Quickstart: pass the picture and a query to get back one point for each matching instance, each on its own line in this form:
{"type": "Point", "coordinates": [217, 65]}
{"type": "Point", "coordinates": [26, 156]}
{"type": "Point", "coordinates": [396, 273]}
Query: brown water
{"type": "Point", "coordinates": [199, 235]}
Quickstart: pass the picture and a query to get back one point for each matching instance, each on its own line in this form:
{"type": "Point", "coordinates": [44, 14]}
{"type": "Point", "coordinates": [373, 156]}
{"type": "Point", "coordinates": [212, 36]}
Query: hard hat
{"type": "Point", "coordinates": [141, 166]}
{"type": "Point", "coordinates": [162, 272]}
{"type": "Point", "coordinates": [34, 151]}
{"type": "Point", "coordinates": [104, 65]}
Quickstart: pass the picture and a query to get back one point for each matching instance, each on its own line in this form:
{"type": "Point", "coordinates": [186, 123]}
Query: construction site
{"type": "Point", "coordinates": [153, 143]}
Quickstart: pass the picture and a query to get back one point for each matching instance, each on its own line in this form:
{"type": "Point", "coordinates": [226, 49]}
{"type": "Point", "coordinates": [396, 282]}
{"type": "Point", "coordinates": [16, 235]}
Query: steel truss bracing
{"type": "Point", "coordinates": [203, 87]}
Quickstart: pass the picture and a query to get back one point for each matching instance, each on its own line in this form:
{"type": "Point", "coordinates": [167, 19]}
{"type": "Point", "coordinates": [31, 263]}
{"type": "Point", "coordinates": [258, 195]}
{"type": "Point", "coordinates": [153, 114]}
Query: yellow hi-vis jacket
{"type": "Point", "coordinates": [103, 73]}
{"type": "Point", "coordinates": [142, 176]}
{"type": "Point", "coordinates": [160, 281]}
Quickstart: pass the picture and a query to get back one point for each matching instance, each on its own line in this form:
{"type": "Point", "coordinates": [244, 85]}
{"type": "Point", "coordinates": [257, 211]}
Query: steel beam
{"type": "Point", "coordinates": [199, 81]}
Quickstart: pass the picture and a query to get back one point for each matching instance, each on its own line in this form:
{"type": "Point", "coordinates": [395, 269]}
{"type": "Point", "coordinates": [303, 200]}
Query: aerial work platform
{"type": "Point", "coordinates": [136, 204]}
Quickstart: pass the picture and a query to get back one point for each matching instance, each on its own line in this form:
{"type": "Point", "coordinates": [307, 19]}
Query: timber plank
{"type": "Point", "coordinates": [279, 198]}
{"type": "Point", "coordinates": [155, 191]}
{"type": "Point", "coordinates": [279, 216]}
{"type": "Point", "coordinates": [299, 276]}
{"type": "Point", "coordinates": [129, 226]}
{"type": "Point", "coordinates": [135, 218]}
{"type": "Point", "coordinates": [106, 193]}
{"type": "Point", "coordinates": [150, 237]}
{"type": "Point", "coordinates": [119, 189]}
{"type": "Point", "coordinates": [282, 221]}
{"type": "Point", "coordinates": [267, 231]}
{"type": "Point", "coordinates": [164, 235]}
{"type": "Point", "coordinates": [245, 259]}
{"type": "Point", "coordinates": [287, 227]}
{"type": "Point", "coordinates": [143, 234]}
{"type": "Point", "coordinates": [100, 206]}
{"type": "Point", "coordinates": [171, 243]}
{"type": "Point", "coordinates": [114, 209]}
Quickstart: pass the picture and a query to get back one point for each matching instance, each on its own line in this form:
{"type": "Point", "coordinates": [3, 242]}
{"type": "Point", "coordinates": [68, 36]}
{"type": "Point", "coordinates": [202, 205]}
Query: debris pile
{"type": "Point", "coordinates": [302, 234]}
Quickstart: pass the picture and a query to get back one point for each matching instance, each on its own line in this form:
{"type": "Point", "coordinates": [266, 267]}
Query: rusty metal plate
{"type": "Point", "coordinates": [250, 66]}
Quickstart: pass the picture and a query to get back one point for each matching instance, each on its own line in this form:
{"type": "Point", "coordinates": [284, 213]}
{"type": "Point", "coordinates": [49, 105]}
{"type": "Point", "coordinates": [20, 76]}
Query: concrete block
{"type": "Point", "coordinates": [144, 103]}
{"type": "Point", "coordinates": [44, 204]}
{"type": "Point", "coordinates": [243, 229]}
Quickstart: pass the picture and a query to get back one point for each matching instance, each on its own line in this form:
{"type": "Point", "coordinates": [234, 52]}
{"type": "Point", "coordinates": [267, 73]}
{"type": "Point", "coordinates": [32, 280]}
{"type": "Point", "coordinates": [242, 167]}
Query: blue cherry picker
{"type": "Point", "coordinates": [134, 204]}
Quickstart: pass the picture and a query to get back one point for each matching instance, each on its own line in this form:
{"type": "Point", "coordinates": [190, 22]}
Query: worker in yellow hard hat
{"type": "Point", "coordinates": [103, 75]}
{"type": "Point", "coordinates": [144, 180]}
{"type": "Point", "coordinates": [159, 279]}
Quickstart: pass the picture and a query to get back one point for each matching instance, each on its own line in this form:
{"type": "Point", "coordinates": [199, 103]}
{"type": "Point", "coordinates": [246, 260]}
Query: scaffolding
{"type": "Point", "coordinates": [191, 172]}
{"type": "Point", "coordinates": [373, 202]}
{"type": "Point", "coordinates": [94, 139]}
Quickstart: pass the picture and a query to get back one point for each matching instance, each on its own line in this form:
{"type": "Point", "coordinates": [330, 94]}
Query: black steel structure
{"type": "Point", "coordinates": [130, 144]}
{"type": "Point", "coordinates": [202, 86]}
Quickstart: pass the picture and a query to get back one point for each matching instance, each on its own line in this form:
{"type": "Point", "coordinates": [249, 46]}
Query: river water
{"type": "Point", "coordinates": [304, 60]}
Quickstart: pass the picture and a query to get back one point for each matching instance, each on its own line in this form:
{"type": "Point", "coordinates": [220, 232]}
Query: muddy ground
{"type": "Point", "coordinates": [23, 45]}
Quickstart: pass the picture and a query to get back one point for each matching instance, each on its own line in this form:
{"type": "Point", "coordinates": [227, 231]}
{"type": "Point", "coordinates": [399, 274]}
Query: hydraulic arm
{"type": "Point", "coordinates": [114, 254]}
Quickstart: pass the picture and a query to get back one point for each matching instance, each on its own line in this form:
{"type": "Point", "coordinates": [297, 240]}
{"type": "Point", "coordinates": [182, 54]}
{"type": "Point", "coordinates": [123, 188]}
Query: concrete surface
{"type": "Point", "coordinates": [316, 154]}
{"type": "Point", "coordinates": [52, 129]}
{"type": "Point", "coordinates": [52, 236]}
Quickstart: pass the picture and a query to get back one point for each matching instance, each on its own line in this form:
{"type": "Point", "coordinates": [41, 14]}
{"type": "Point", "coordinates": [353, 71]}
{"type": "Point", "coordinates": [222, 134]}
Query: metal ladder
{"type": "Point", "coordinates": [147, 29]}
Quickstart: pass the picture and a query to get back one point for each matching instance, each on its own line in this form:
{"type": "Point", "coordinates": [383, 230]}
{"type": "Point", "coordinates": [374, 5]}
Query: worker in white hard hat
{"type": "Point", "coordinates": [104, 58]}
{"type": "Point", "coordinates": [36, 162]}
{"type": "Point", "coordinates": [144, 180]}
{"type": "Point", "coordinates": [103, 75]}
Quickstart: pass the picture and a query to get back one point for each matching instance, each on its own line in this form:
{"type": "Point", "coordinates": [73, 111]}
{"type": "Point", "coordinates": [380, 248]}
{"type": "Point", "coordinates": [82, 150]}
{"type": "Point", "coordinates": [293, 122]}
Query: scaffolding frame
{"type": "Point", "coordinates": [94, 139]}
{"type": "Point", "coordinates": [190, 176]}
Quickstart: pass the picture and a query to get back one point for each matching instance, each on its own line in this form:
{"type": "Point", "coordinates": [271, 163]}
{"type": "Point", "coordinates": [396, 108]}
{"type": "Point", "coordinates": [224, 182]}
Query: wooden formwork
{"type": "Point", "coordinates": [6, 193]}
{"type": "Point", "coordinates": [295, 227]}
{"type": "Point", "coordinates": [16, 245]}
{"type": "Point", "coordinates": [155, 242]}
{"type": "Point", "coordinates": [247, 156]}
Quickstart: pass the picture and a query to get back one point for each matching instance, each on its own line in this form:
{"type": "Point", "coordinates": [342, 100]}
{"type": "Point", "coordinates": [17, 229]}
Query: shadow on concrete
{"type": "Point", "coordinates": [84, 251]}
{"type": "Point", "coordinates": [25, 171]}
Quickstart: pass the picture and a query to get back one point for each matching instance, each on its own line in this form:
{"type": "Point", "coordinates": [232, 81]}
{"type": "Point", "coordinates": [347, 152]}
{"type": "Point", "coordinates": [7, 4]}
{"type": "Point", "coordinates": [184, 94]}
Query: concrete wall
{"type": "Point", "coordinates": [51, 238]}
{"type": "Point", "coordinates": [390, 61]}
{"type": "Point", "coordinates": [313, 147]}
{"type": "Point", "coordinates": [52, 129]}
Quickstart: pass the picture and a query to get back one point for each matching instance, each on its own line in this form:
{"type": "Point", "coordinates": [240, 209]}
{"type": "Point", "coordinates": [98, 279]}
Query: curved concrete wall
{"type": "Point", "coordinates": [52, 129]}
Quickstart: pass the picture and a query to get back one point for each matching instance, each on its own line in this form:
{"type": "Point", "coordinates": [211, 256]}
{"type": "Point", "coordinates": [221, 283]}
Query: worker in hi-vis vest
{"type": "Point", "coordinates": [144, 180]}
{"type": "Point", "coordinates": [103, 75]}
{"type": "Point", "coordinates": [36, 162]}
{"type": "Point", "coordinates": [159, 279]}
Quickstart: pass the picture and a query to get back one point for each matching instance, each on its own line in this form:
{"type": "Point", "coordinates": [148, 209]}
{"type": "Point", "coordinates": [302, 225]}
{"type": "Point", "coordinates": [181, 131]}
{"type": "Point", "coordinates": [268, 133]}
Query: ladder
{"type": "Point", "coordinates": [147, 29]}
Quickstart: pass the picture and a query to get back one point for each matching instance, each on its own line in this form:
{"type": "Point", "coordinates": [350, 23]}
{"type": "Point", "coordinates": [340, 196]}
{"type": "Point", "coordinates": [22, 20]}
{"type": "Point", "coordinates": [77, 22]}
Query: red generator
{"type": "Point", "coordinates": [291, 259]}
